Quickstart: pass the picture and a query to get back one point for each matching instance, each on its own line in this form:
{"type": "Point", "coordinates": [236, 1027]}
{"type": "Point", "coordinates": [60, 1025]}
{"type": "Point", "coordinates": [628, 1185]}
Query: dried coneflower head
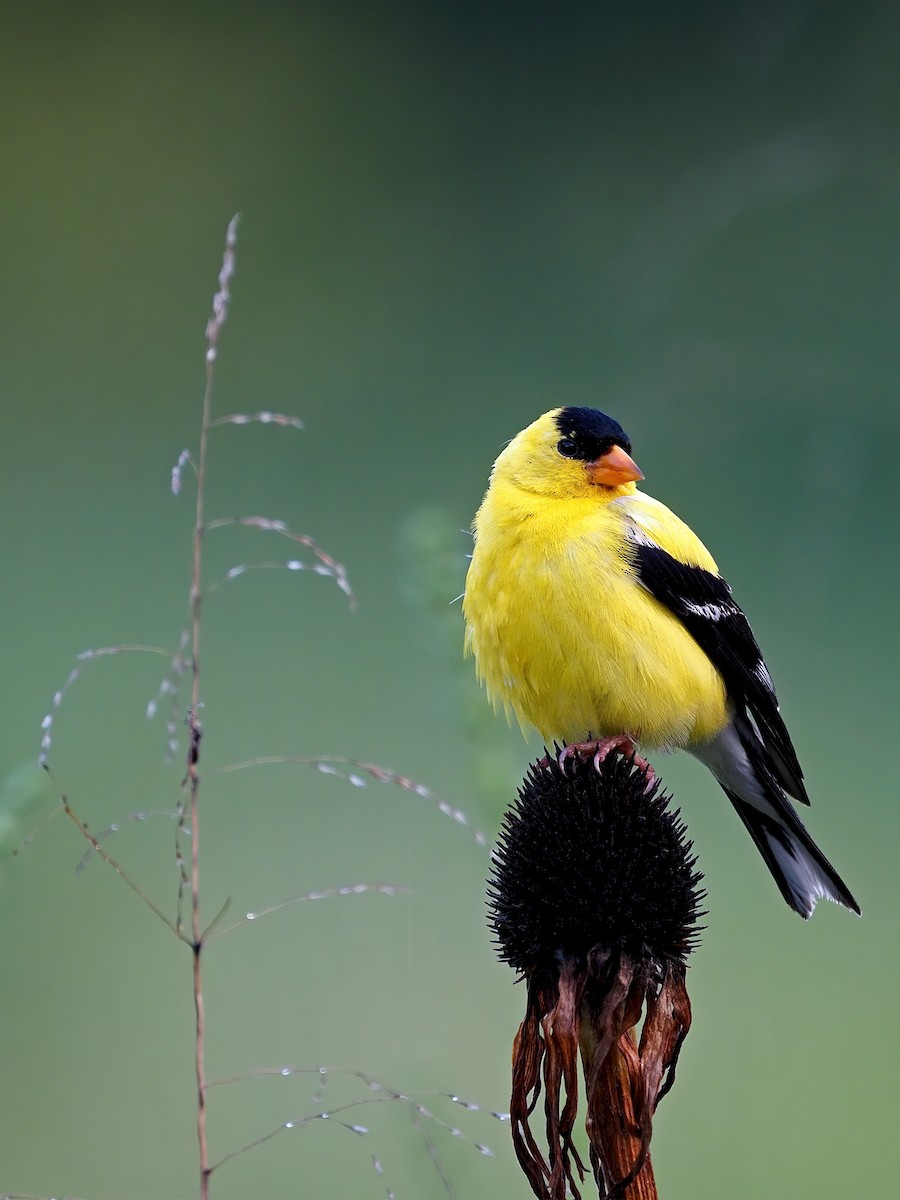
{"type": "Point", "coordinates": [594, 898]}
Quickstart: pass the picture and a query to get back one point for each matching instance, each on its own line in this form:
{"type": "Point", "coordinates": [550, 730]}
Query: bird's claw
{"type": "Point", "coordinates": [598, 749]}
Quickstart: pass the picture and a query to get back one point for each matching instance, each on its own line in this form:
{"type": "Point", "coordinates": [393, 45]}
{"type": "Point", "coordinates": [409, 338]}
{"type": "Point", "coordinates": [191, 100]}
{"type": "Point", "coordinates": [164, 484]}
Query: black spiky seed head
{"type": "Point", "coordinates": [588, 858]}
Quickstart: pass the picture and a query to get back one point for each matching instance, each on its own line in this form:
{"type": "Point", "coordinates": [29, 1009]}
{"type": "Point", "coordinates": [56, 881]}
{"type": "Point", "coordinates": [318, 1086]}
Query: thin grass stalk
{"type": "Point", "coordinates": [193, 781]}
{"type": "Point", "coordinates": [195, 730]}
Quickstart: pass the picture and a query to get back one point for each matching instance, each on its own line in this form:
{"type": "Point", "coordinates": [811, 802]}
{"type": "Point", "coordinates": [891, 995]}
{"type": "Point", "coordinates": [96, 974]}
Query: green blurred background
{"type": "Point", "coordinates": [455, 217]}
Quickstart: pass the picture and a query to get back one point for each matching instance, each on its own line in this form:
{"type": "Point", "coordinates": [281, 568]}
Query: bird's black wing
{"type": "Point", "coordinates": [705, 606]}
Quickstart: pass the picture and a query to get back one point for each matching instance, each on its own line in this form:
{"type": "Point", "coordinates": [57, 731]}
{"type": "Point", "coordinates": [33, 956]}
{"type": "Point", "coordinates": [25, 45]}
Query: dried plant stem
{"type": "Point", "coordinates": [111, 862]}
{"type": "Point", "coordinates": [614, 1104]}
{"type": "Point", "coordinates": [192, 781]}
{"type": "Point", "coordinates": [195, 730]}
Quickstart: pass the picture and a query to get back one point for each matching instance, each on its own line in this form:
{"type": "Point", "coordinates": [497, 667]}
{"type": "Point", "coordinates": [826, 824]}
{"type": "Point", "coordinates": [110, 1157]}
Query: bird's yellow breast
{"type": "Point", "coordinates": [565, 636]}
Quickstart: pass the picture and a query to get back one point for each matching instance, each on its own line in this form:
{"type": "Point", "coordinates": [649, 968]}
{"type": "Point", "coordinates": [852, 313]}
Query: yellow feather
{"type": "Point", "coordinates": [564, 635]}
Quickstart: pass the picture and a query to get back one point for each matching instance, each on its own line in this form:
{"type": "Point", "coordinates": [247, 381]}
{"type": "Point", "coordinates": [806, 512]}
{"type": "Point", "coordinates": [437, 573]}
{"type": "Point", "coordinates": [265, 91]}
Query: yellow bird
{"type": "Point", "coordinates": [593, 612]}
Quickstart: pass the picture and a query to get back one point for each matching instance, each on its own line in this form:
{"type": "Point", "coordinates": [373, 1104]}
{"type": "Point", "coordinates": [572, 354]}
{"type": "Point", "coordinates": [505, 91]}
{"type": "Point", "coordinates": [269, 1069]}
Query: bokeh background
{"type": "Point", "coordinates": [454, 217]}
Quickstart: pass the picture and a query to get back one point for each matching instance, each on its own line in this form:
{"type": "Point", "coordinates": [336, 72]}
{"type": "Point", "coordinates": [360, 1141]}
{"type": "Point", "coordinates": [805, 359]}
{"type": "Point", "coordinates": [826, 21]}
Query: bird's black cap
{"type": "Point", "coordinates": [592, 432]}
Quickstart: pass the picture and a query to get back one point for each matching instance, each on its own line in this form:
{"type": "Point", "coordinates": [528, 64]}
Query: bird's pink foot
{"type": "Point", "coordinates": [598, 748]}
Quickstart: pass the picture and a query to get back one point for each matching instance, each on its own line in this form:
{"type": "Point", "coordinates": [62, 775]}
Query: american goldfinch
{"type": "Point", "coordinates": [593, 612]}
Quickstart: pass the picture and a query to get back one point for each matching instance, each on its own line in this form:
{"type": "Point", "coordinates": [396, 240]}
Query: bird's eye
{"type": "Point", "coordinates": [567, 447]}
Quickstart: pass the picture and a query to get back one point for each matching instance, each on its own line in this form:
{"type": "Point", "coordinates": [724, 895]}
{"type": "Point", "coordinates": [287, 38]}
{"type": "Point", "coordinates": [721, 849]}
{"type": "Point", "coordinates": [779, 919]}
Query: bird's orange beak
{"type": "Point", "coordinates": [614, 468]}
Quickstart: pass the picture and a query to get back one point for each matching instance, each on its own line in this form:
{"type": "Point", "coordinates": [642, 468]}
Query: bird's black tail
{"type": "Point", "coordinates": [802, 872]}
{"type": "Point", "coordinates": [742, 765]}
